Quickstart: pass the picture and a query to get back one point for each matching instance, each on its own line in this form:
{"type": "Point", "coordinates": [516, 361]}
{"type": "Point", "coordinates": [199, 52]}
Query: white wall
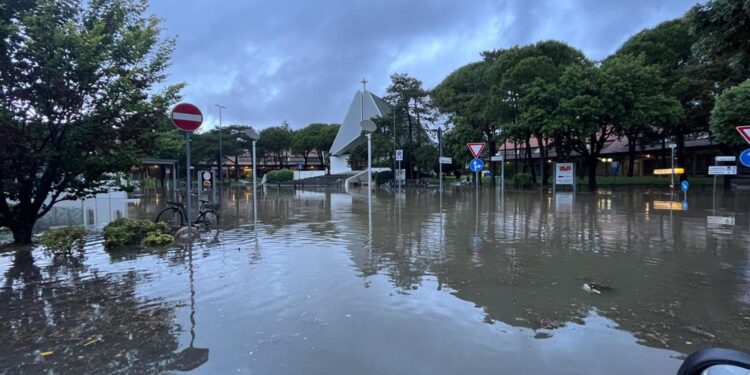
{"type": "Point", "coordinates": [339, 164]}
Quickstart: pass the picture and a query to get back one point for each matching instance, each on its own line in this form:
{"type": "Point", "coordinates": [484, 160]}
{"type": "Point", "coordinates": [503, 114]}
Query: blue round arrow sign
{"type": "Point", "coordinates": [745, 158]}
{"type": "Point", "coordinates": [476, 165]}
{"type": "Point", "coordinates": [684, 185]}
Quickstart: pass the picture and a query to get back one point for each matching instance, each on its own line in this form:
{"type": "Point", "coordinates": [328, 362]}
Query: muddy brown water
{"type": "Point", "coordinates": [429, 283]}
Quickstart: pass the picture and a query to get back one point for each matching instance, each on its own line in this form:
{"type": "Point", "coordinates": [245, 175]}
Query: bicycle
{"type": "Point", "coordinates": [174, 215]}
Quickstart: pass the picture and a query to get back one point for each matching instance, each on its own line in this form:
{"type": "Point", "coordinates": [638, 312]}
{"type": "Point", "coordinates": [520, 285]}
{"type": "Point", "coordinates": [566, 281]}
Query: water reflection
{"type": "Point", "coordinates": [309, 282]}
{"type": "Point", "coordinates": [61, 318]}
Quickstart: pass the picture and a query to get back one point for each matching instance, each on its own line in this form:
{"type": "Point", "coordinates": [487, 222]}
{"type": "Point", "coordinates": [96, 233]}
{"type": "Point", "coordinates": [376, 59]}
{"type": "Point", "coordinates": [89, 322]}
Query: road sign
{"type": "Point", "coordinates": [726, 158]}
{"type": "Point", "coordinates": [496, 158]}
{"type": "Point", "coordinates": [745, 132]}
{"type": "Point", "coordinates": [715, 170]}
{"type": "Point", "coordinates": [564, 174]}
{"type": "Point", "coordinates": [187, 117]}
{"type": "Point", "coordinates": [745, 158]}
{"type": "Point", "coordinates": [300, 165]}
{"type": "Point", "coordinates": [399, 155]}
{"type": "Point", "coordinates": [446, 160]}
{"type": "Point", "coordinates": [476, 165]}
{"type": "Point", "coordinates": [476, 148]}
{"type": "Point", "coordinates": [684, 186]}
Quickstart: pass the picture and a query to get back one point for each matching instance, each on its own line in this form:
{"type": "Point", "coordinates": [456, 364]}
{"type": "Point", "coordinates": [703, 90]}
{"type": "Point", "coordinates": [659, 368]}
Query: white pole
{"type": "Point", "coordinates": [369, 165]}
{"type": "Point", "coordinates": [187, 186]}
{"type": "Point", "coordinates": [255, 190]}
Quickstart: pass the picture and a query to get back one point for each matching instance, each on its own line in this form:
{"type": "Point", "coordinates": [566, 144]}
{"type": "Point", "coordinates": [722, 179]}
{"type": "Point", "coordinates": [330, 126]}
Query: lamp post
{"type": "Point", "coordinates": [369, 126]}
{"type": "Point", "coordinates": [221, 149]}
{"type": "Point", "coordinates": [672, 146]}
{"type": "Point", "coordinates": [255, 137]}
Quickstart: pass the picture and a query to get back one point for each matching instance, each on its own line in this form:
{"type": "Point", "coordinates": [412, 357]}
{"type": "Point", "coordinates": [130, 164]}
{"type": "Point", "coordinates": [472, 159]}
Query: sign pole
{"type": "Point", "coordinates": [187, 186]}
{"type": "Point", "coordinates": [440, 154]}
{"type": "Point", "coordinates": [255, 191]}
{"type": "Point", "coordinates": [554, 180]}
{"type": "Point", "coordinates": [502, 174]}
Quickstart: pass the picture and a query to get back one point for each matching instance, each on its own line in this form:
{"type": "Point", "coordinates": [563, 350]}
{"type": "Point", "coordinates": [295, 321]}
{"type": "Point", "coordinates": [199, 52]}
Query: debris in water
{"type": "Point", "coordinates": [44, 354]}
{"type": "Point", "coordinates": [591, 288]}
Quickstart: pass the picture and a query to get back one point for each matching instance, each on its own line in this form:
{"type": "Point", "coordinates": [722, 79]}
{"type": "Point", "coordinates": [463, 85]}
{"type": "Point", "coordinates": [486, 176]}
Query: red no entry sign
{"type": "Point", "coordinates": [187, 117]}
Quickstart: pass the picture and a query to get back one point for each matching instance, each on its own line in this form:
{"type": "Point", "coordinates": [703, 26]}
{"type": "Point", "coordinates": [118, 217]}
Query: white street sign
{"type": "Point", "coordinates": [399, 155]}
{"type": "Point", "coordinates": [496, 158]}
{"type": "Point", "coordinates": [564, 174]}
{"type": "Point", "coordinates": [446, 160]}
{"type": "Point", "coordinates": [714, 170]}
{"type": "Point", "coordinates": [726, 158]}
{"type": "Point", "coordinates": [400, 174]}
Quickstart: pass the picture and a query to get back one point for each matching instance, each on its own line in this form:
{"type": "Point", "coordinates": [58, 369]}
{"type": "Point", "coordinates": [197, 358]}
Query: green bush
{"type": "Point", "coordinates": [129, 232]}
{"type": "Point", "coordinates": [157, 238]}
{"type": "Point", "coordinates": [522, 180]}
{"type": "Point", "coordinates": [383, 177]}
{"type": "Point", "coordinates": [62, 241]}
{"type": "Point", "coordinates": [282, 175]}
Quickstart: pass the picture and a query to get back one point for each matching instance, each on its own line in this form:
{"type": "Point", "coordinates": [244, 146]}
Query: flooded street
{"type": "Point", "coordinates": [521, 282]}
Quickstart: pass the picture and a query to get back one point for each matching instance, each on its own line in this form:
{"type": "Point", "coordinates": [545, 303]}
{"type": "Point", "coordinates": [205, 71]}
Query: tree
{"type": "Point", "coordinates": [732, 109]}
{"type": "Point", "coordinates": [324, 142]}
{"type": "Point", "coordinates": [584, 114]}
{"type": "Point", "coordinates": [276, 140]}
{"type": "Point", "coordinates": [313, 137]}
{"type": "Point", "coordinates": [426, 158]}
{"type": "Point", "coordinates": [465, 97]}
{"type": "Point", "coordinates": [691, 80]}
{"type": "Point", "coordinates": [641, 103]}
{"type": "Point", "coordinates": [414, 109]}
{"type": "Point", "coordinates": [78, 100]}
{"type": "Point", "coordinates": [723, 29]}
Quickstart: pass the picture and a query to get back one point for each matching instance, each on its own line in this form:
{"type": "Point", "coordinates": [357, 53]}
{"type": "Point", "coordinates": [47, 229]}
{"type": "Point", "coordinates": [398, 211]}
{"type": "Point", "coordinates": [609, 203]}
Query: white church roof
{"type": "Point", "coordinates": [350, 131]}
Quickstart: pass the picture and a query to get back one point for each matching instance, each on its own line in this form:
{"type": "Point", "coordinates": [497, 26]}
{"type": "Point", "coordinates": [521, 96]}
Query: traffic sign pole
{"type": "Point", "coordinates": [187, 118]}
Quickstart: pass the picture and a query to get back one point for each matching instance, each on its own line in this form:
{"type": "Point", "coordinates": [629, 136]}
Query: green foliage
{"type": "Point", "coordinates": [83, 77]}
{"type": "Point", "coordinates": [426, 158]}
{"type": "Point", "coordinates": [282, 175]}
{"type": "Point", "coordinates": [732, 109]}
{"type": "Point", "coordinates": [522, 180]}
{"type": "Point", "coordinates": [383, 177]}
{"type": "Point", "coordinates": [723, 27]}
{"type": "Point", "coordinates": [64, 240]}
{"type": "Point", "coordinates": [158, 238]}
{"type": "Point", "coordinates": [275, 141]}
{"type": "Point", "coordinates": [382, 150]}
{"type": "Point", "coordinates": [129, 232]}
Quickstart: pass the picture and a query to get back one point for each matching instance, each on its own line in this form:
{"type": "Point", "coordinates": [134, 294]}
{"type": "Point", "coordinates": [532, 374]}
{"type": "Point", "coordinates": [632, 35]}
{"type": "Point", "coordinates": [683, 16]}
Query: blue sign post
{"type": "Point", "coordinates": [476, 166]}
{"type": "Point", "coordinates": [745, 158]}
{"type": "Point", "coordinates": [684, 185]}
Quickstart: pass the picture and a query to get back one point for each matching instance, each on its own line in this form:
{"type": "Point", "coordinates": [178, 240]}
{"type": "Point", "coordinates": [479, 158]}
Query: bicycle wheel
{"type": "Point", "coordinates": [170, 216]}
{"type": "Point", "coordinates": [208, 218]}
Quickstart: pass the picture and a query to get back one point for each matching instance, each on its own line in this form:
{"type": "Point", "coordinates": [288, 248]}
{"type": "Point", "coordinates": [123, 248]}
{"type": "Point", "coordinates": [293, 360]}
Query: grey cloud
{"type": "Point", "coordinates": [302, 61]}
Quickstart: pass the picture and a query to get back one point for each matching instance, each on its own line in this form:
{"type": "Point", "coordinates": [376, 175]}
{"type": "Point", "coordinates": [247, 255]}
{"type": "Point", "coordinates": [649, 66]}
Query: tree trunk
{"type": "Point", "coordinates": [23, 229]}
{"type": "Point", "coordinates": [664, 153]}
{"type": "Point", "coordinates": [530, 160]}
{"type": "Point", "coordinates": [631, 153]}
{"type": "Point", "coordinates": [542, 159]}
{"type": "Point", "coordinates": [236, 168]}
{"type": "Point", "coordinates": [591, 163]}
{"type": "Point", "coordinates": [680, 162]}
{"type": "Point", "coordinates": [493, 150]}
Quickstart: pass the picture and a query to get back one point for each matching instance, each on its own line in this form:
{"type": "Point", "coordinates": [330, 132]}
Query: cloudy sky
{"type": "Point", "coordinates": [270, 61]}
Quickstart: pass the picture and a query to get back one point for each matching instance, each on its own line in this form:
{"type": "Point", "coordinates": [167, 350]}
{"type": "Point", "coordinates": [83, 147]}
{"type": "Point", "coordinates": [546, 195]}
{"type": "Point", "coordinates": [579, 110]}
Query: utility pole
{"type": "Point", "coordinates": [221, 149]}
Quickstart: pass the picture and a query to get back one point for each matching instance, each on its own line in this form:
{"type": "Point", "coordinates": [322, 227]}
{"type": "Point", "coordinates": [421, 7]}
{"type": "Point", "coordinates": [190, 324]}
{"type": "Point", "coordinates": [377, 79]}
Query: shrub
{"type": "Point", "coordinates": [383, 177]}
{"type": "Point", "coordinates": [282, 175]}
{"type": "Point", "coordinates": [157, 238]}
{"type": "Point", "coordinates": [62, 241]}
{"type": "Point", "coordinates": [522, 180]}
{"type": "Point", "coordinates": [129, 232]}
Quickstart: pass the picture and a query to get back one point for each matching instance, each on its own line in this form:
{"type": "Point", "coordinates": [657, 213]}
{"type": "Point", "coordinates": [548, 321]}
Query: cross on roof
{"type": "Point", "coordinates": [364, 84]}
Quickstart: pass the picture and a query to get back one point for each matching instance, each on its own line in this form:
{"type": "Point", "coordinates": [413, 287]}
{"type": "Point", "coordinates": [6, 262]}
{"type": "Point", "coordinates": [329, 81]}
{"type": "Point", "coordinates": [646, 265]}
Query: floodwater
{"type": "Point", "coordinates": [429, 283]}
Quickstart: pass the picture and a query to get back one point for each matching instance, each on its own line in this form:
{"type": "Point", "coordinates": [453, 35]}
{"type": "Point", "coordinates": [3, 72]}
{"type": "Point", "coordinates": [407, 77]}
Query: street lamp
{"type": "Point", "coordinates": [252, 134]}
{"type": "Point", "coordinates": [221, 150]}
{"type": "Point", "coordinates": [369, 126]}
